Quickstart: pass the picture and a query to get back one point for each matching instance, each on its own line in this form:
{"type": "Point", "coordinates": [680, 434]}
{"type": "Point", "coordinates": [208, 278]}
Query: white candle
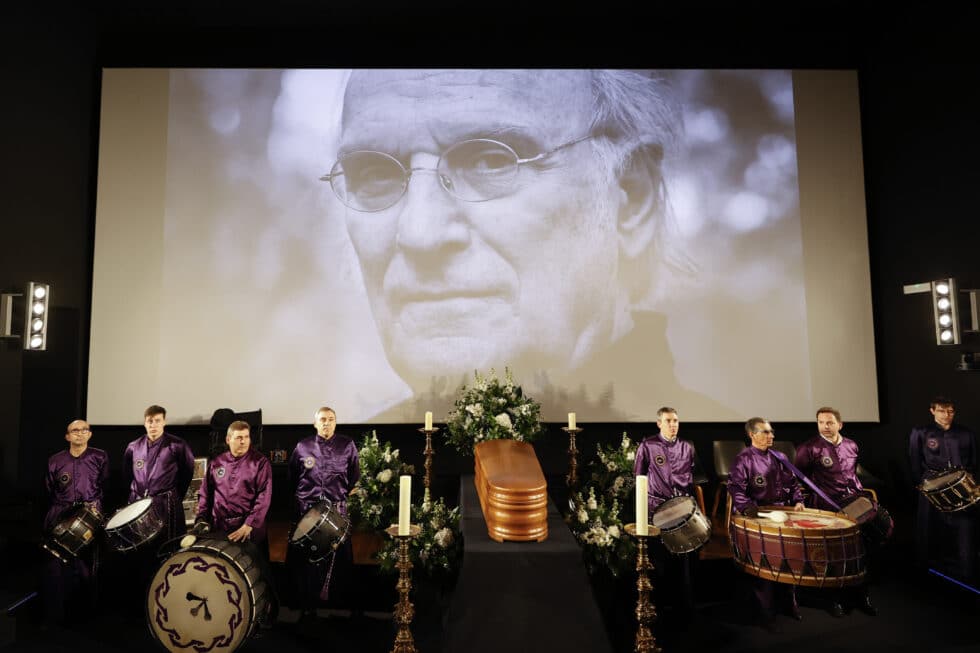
{"type": "Point", "coordinates": [428, 420]}
{"type": "Point", "coordinates": [571, 420]}
{"type": "Point", "coordinates": [404, 505]}
{"type": "Point", "coordinates": [641, 506]}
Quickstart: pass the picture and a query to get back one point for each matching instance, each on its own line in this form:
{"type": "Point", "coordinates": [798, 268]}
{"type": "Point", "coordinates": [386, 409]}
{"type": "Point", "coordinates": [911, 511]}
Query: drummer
{"type": "Point", "coordinates": [322, 466]}
{"type": "Point", "coordinates": [159, 465]}
{"type": "Point", "coordinates": [77, 475]}
{"type": "Point", "coordinates": [758, 478]}
{"type": "Point", "coordinates": [668, 463]}
{"type": "Point", "coordinates": [830, 460]}
{"type": "Point", "coordinates": [235, 497]}
{"type": "Point", "coordinates": [935, 448]}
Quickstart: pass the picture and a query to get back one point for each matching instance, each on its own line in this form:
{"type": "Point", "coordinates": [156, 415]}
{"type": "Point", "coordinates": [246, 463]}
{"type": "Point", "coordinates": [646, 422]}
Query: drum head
{"type": "Point", "coordinates": [674, 512]}
{"type": "Point", "coordinates": [200, 600]}
{"type": "Point", "coordinates": [308, 523]}
{"type": "Point", "coordinates": [942, 481]}
{"type": "Point", "coordinates": [128, 513]}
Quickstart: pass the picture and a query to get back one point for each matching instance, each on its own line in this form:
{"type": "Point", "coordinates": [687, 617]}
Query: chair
{"type": "Point", "coordinates": [724, 452]}
{"type": "Point", "coordinates": [222, 418]}
{"type": "Point", "coordinates": [787, 448]}
{"type": "Point", "coordinates": [868, 480]}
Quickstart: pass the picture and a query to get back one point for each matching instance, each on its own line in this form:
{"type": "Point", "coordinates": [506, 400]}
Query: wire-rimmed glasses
{"type": "Point", "coordinates": [474, 170]}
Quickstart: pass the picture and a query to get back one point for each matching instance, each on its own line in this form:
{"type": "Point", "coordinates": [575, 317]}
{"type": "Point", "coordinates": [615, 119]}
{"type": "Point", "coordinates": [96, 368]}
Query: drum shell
{"type": "Point", "coordinates": [138, 530]}
{"type": "Point", "coordinates": [959, 492]}
{"type": "Point", "coordinates": [321, 530]}
{"type": "Point", "coordinates": [691, 534]}
{"type": "Point", "coordinates": [73, 533]}
{"type": "Point", "coordinates": [813, 557]}
{"type": "Point", "coordinates": [216, 569]}
{"type": "Point", "coordinates": [874, 520]}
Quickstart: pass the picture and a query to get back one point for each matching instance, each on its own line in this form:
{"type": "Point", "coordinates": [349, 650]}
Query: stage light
{"type": "Point", "coordinates": [29, 309]}
{"type": "Point", "coordinates": [944, 310]}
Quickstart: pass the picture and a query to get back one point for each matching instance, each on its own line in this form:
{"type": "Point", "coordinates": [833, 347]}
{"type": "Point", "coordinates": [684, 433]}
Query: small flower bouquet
{"type": "Point", "coordinates": [612, 471]}
{"type": "Point", "coordinates": [598, 528]}
{"type": "Point", "coordinates": [438, 549]}
{"type": "Point", "coordinates": [373, 504]}
{"type": "Point", "coordinates": [492, 409]}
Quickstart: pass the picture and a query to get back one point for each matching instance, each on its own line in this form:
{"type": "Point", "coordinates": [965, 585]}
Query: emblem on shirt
{"type": "Point", "coordinates": [932, 443]}
{"type": "Point", "coordinates": [827, 461]}
{"type": "Point", "coordinates": [759, 480]}
{"type": "Point", "coordinates": [64, 478]}
{"type": "Point", "coordinates": [139, 464]}
{"type": "Point", "coordinates": [308, 462]}
{"type": "Point", "coordinates": [660, 460]}
{"type": "Point", "coordinates": [220, 472]}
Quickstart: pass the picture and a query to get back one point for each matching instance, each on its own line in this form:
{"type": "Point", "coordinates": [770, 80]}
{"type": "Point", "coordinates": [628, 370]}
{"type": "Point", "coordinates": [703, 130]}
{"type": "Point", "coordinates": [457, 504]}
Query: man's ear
{"type": "Point", "coordinates": [642, 207]}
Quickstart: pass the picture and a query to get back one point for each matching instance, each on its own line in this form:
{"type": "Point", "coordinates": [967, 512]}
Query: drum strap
{"type": "Point", "coordinates": [781, 457]}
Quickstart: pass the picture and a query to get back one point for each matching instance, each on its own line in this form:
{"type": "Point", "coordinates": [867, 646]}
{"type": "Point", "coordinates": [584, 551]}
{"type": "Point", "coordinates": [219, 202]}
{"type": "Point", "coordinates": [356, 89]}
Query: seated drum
{"type": "Point", "coordinates": [815, 548]}
{"type": "Point", "coordinates": [683, 527]}
{"type": "Point", "coordinates": [134, 525]}
{"type": "Point", "coordinates": [75, 530]}
{"type": "Point", "coordinates": [321, 530]}
{"type": "Point", "coordinates": [207, 597]}
{"type": "Point", "coordinates": [952, 490]}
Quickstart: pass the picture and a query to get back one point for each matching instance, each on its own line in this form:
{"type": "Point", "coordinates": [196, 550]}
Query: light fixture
{"type": "Point", "coordinates": [945, 312]}
{"type": "Point", "coordinates": [32, 312]}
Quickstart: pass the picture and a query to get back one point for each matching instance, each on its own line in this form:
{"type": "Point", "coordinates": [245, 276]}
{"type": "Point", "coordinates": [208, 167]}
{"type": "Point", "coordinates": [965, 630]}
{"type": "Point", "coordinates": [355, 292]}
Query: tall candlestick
{"type": "Point", "coordinates": [404, 505]}
{"type": "Point", "coordinates": [428, 420]}
{"type": "Point", "coordinates": [571, 420]}
{"type": "Point", "coordinates": [641, 505]}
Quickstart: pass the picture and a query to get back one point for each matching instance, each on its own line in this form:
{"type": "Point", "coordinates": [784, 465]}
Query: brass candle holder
{"type": "Point", "coordinates": [571, 479]}
{"type": "Point", "coordinates": [427, 497]}
{"type": "Point", "coordinates": [646, 609]}
{"type": "Point", "coordinates": [404, 610]}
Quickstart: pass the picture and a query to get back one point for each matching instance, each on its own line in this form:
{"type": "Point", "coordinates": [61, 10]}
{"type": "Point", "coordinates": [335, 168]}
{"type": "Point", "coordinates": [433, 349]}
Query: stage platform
{"type": "Point", "coordinates": [521, 596]}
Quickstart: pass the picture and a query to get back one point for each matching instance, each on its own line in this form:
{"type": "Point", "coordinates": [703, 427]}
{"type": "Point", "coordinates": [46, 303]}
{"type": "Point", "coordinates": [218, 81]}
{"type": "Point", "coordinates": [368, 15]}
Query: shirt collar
{"type": "Point", "coordinates": [828, 440]}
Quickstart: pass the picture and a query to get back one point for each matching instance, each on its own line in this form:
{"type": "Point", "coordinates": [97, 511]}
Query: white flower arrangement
{"type": "Point", "coordinates": [599, 530]}
{"type": "Point", "coordinates": [492, 409]}
{"type": "Point", "coordinates": [438, 549]}
{"type": "Point", "coordinates": [373, 503]}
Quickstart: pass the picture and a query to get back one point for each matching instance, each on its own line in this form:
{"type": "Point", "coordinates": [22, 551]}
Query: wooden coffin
{"type": "Point", "coordinates": [512, 489]}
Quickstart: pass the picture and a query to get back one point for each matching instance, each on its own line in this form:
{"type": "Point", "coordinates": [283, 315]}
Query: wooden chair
{"type": "Point", "coordinates": [724, 453]}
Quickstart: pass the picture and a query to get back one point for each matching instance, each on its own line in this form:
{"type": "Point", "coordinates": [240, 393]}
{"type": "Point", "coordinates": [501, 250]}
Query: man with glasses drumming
{"type": "Point", "coordinates": [934, 449]}
{"type": "Point", "coordinates": [511, 217]}
{"type": "Point", "coordinates": [75, 476]}
{"type": "Point", "coordinates": [758, 478]}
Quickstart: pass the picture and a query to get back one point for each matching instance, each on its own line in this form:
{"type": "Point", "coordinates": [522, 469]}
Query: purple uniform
{"type": "Point", "coordinates": [324, 469]}
{"type": "Point", "coordinates": [668, 466]}
{"type": "Point", "coordinates": [237, 491]}
{"type": "Point", "coordinates": [831, 467]}
{"type": "Point", "coordinates": [160, 469]}
{"type": "Point", "coordinates": [72, 480]}
{"type": "Point", "coordinates": [933, 449]}
{"type": "Point", "coordinates": [758, 479]}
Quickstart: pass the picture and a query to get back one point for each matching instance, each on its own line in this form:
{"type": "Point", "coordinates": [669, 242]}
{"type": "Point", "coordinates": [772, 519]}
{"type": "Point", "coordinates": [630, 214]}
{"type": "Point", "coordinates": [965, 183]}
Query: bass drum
{"type": "Point", "coordinates": [683, 527]}
{"type": "Point", "coordinates": [207, 597]}
{"type": "Point", "coordinates": [815, 548]}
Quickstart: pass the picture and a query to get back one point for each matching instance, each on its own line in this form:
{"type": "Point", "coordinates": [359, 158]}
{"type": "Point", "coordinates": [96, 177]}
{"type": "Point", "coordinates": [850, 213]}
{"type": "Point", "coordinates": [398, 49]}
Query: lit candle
{"type": "Point", "coordinates": [641, 506]}
{"type": "Point", "coordinates": [571, 420]}
{"type": "Point", "coordinates": [428, 420]}
{"type": "Point", "coordinates": [404, 505]}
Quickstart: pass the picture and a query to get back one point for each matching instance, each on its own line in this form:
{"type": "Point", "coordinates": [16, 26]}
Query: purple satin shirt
{"type": "Point", "coordinates": [832, 468]}
{"type": "Point", "coordinates": [162, 469]}
{"type": "Point", "coordinates": [758, 479]}
{"type": "Point", "coordinates": [668, 466]}
{"type": "Point", "coordinates": [323, 469]}
{"type": "Point", "coordinates": [71, 480]}
{"type": "Point", "coordinates": [933, 449]}
{"type": "Point", "coordinates": [237, 491]}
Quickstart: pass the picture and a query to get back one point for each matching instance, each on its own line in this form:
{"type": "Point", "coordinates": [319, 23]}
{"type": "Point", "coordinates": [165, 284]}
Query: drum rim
{"type": "Point", "coordinates": [760, 525]}
{"type": "Point", "coordinates": [149, 505]}
{"type": "Point", "coordinates": [204, 544]}
{"type": "Point", "coordinates": [958, 473]}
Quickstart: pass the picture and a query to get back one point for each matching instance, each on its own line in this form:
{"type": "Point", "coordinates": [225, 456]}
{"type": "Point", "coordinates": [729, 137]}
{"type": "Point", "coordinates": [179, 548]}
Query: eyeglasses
{"type": "Point", "coordinates": [79, 431]}
{"type": "Point", "coordinates": [475, 170]}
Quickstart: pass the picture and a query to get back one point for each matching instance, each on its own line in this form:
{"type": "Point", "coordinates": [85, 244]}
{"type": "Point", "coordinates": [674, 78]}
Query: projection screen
{"type": "Point", "coordinates": [618, 240]}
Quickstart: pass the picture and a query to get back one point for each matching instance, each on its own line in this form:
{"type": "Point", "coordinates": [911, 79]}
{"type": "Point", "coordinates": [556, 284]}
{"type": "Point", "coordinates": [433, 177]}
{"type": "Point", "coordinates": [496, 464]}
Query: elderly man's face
{"type": "Point", "coordinates": [527, 279]}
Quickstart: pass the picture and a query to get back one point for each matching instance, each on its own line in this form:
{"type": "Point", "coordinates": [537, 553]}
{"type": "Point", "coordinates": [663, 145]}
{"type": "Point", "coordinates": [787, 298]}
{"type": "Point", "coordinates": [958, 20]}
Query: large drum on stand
{"type": "Point", "coordinates": [207, 597]}
{"type": "Point", "coordinates": [815, 548]}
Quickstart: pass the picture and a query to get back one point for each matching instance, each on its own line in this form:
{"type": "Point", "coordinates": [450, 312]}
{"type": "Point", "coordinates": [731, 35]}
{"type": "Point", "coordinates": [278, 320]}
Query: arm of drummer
{"type": "Point", "coordinates": [263, 499]}
{"type": "Point", "coordinates": [915, 454]}
{"type": "Point", "coordinates": [353, 467]}
{"type": "Point", "coordinates": [98, 494]}
{"type": "Point", "coordinates": [205, 499]}
{"type": "Point", "coordinates": [738, 482]}
{"type": "Point", "coordinates": [127, 471]}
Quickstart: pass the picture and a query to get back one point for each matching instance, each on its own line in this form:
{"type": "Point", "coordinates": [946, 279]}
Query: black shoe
{"type": "Point", "coordinates": [795, 613]}
{"type": "Point", "coordinates": [867, 607]}
{"type": "Point", "coordinates": [770, 625]}
{"type": "Point", "coordinates": [836, 610]}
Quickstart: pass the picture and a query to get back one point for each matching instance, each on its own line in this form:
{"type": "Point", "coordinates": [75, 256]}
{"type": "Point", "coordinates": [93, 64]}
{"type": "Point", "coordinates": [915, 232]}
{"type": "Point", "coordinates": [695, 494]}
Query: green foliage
{"type": "Point", "coordinates": [597, 526]}
{"type": "Point", "coordinates": [438, 549]}
{"type": "Point", "coordinates": [374, 501]}
{"type": "Point", "coordinates": [491, 409]}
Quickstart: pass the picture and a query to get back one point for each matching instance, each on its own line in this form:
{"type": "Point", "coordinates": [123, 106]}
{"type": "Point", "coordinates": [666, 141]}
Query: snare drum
{"type": "Point", "coordinates": [134, 525]}
{"type": "Point", "coordinates": [76, 530]}
{"type": "Point", "coordinates": [207, 597]}
{"type": "Point", "coordinates": [875, 521]}
{"type": "Point", "coordinates": [952, 490]}
{"type": "Point", "coordinates": [321, 530]}
{"type": "Point", "coordinates": [683, 527]}
{"type": "Point", "coordinates": [815, 548]}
